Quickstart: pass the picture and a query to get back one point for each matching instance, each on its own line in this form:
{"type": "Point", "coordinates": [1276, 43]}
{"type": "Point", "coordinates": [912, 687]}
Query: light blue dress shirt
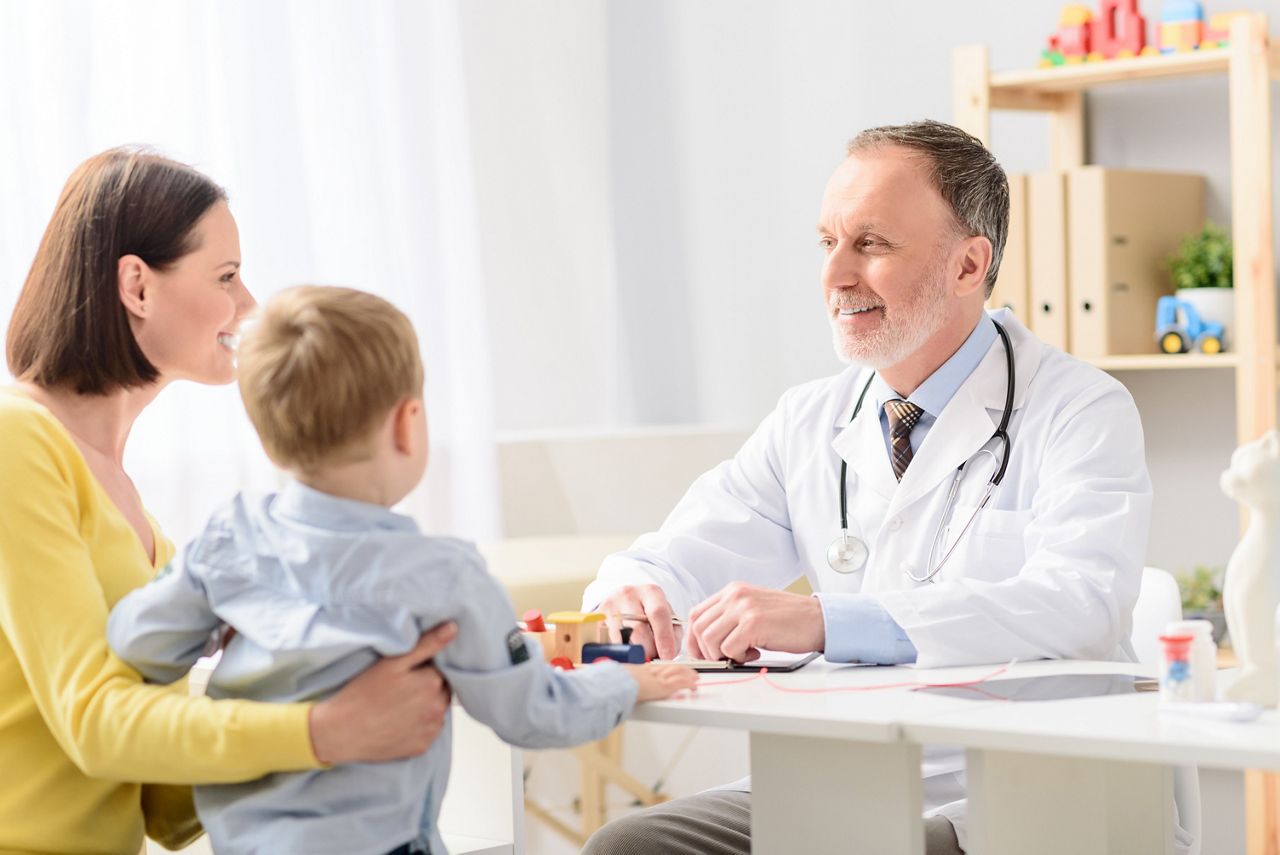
{"type": "Point", "coordinates": [318, 588]}
{"type": "Point", "coordinates": [857, 626]}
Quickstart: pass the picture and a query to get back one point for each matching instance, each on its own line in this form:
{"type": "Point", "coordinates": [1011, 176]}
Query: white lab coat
{"type": "Point", "coordinates": [1049, 569]}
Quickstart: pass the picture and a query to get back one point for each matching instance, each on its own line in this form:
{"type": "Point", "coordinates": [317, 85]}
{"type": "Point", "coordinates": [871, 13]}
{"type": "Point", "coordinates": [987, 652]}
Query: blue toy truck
{"type": "Point", "coordinates": [1179, 327]}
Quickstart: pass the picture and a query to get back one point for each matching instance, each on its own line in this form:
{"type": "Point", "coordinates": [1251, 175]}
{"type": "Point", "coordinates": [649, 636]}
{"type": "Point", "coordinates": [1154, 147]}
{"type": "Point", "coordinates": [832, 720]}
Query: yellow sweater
{"type": "Point", "coordinates": [77, 725]}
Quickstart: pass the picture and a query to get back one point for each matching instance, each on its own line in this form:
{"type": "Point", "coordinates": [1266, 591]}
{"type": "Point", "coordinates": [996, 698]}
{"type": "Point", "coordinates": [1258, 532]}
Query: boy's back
{"type": "Point", "coordinates": [317, 588]}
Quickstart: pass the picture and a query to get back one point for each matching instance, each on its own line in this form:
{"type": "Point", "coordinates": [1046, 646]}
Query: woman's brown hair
{"type": "Point", "coordinates": [69, 328]}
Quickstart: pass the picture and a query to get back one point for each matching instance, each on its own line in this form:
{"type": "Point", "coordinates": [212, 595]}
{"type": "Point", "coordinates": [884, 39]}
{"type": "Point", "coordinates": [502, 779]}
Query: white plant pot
{"type": "Point", "coordinates": [1214, 304]}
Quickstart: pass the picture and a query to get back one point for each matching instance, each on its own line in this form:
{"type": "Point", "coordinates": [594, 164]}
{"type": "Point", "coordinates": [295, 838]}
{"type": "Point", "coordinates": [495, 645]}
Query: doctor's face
{"type": "Point", "coordinates": [886, 233]}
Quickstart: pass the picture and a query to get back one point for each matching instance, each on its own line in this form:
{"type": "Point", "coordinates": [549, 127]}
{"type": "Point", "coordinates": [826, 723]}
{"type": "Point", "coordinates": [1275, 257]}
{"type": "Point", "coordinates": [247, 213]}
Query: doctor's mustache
{"type": "Point", "coordinates": [853, 300]}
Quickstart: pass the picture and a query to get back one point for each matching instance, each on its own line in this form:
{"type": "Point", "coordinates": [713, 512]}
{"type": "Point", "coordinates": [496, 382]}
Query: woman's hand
{"type": "Point", "coordinates": [394, 709]}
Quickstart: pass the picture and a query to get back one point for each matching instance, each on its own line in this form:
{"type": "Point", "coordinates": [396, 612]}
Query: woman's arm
{"type": "Point", "coordinates": [53, 612]}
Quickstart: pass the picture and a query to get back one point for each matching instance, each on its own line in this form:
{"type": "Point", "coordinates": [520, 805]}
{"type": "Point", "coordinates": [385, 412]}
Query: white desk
{"type": "Point", "coordinates": [1087, 774]}
{"type": "Point", "coordinates": [839, 772]}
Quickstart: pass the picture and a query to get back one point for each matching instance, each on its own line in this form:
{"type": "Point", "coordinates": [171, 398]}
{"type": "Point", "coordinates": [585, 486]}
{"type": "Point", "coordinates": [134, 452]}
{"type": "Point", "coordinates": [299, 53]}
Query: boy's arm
{"type": "Point", "coordinates": [161, 628]}
{"type": "Point", "coordinates": [504, 683]}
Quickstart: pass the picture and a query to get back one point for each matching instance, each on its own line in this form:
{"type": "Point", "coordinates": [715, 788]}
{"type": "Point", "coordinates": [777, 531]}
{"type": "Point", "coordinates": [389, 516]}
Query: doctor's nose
{"type": "Point", "coordinates": [840, 269]}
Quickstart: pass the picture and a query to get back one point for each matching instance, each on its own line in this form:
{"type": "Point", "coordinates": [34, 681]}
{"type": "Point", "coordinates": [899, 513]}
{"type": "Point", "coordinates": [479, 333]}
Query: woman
{"type": "Point", "coordinates": [136, 283]}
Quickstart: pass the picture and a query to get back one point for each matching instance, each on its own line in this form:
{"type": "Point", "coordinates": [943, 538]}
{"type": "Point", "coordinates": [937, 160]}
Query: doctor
{"type": "Point", "coordinates": [1034, 551]}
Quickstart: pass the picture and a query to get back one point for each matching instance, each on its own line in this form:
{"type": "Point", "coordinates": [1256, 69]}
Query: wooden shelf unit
{"type": "Point", "coordinates": [1249, 62]}
{"type": "Point", "coordinates": [1164, 362]}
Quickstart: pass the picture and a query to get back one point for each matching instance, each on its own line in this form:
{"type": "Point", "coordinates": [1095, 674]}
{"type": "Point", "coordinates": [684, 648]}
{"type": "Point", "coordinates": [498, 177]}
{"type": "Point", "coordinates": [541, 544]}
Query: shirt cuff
{"type": "Point", "coordinates": [858, 629]}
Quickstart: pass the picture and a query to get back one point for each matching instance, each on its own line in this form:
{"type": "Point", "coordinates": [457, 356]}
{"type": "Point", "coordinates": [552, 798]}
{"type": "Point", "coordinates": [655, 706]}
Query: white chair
{"type": "Point", "coordinates": [1159, 603]}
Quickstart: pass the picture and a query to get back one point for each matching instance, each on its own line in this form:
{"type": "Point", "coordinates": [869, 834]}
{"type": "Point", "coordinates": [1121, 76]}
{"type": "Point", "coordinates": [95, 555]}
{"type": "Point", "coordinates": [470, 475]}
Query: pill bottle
{"type": "Point", "coordinates": [1175, 668]}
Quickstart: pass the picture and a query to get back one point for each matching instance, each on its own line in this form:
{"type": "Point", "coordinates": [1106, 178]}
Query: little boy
{"type": "Point", "coordinates": [322, 578]}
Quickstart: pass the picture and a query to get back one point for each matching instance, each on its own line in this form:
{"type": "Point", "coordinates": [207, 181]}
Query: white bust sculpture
{"type": "Point", "coordinates": [1252, 584]}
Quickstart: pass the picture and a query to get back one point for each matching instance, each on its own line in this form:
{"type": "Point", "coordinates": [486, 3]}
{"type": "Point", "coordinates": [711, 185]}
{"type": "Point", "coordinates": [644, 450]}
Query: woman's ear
{"type": "Point", "coordinates": [404, 423]}
{"type": "Point", "coordinates": [133, 277]}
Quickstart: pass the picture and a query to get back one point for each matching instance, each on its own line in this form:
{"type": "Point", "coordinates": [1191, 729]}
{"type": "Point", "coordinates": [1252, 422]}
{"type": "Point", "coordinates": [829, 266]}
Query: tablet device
{"type": "Point", "coordinates": [777, 663]}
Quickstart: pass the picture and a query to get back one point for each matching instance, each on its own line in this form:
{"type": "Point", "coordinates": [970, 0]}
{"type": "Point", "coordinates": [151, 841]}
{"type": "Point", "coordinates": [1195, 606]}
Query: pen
{"type": "Point", "coordinates": [645, 618]}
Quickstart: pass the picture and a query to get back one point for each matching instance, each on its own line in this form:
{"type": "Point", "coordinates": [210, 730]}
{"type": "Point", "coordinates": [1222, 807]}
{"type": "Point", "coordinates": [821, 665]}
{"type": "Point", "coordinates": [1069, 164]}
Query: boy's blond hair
{"type": "Point", "coordinates": [320, 368]}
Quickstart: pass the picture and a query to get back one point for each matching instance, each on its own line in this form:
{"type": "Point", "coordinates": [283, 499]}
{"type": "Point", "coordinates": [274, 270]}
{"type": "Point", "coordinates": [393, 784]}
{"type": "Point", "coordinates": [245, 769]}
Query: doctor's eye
{"type": "Point", "coordinates": [828, 243]}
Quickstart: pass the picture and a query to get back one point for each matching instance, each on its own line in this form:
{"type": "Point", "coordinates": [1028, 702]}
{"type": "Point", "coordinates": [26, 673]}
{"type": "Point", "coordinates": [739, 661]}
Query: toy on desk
{"type": "Point", "coordinates": [1179, 327]}
{"type": "Point", "coordinates": [535, 626]}
{"type": "Point", "coordinates": [574, 629]}
{"type": "Point", "coordinates": [624, 652]}
{"type": "Point", "coordinates": [1252, 584]}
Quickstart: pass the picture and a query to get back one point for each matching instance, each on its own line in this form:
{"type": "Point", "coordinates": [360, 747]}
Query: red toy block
{"type": "Point", "coordinates": [533, 621]}
{"type": "Point", "coordinates": [1118, 29]}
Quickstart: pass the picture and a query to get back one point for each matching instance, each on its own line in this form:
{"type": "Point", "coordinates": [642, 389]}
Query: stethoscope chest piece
{"type": "Point", "coordinates": [847, 554]}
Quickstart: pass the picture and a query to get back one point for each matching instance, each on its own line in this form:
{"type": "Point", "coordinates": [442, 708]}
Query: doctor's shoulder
{"type": "Point", "coordinates": [1074, 384]}
{"type": "Point", "coordinates": [825, 400]}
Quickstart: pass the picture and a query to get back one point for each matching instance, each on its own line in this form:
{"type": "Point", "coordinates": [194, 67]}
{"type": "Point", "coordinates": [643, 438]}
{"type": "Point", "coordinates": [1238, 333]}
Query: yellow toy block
{"type": "Point", "coordinates": [572, 630]}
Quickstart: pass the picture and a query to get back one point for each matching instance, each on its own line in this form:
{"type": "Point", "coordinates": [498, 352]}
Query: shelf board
{"type": "Point", "coordinates": [1072, 78]}
{"type": "Point", "coordinates": [1160, 361]}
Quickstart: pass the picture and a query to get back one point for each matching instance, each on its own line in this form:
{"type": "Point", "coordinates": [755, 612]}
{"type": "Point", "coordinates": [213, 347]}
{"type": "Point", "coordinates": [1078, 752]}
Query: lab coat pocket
{"type": "Point", "coordinates": [992, 547]}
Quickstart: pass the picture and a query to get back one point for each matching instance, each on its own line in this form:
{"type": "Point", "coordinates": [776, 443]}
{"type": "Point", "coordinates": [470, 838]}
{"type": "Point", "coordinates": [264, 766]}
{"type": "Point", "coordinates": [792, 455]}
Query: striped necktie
{"type": "Point", "coordinates": [903, 416]}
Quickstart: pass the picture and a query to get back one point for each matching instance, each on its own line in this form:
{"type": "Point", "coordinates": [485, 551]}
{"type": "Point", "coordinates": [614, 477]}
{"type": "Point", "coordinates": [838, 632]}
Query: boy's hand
{"type": "Point", "coordinates": [661, 681]}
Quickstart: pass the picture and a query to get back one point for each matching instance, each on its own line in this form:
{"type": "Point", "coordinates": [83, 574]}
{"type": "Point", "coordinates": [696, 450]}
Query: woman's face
{"type": "Point", "coordinates": [191, 312]}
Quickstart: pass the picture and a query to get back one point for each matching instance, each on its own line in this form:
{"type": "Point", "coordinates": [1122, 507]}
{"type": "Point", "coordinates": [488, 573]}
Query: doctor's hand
{"type": "Point", "coordinates": [740, 619]}
{"type": "Point", "coordinates": [658, 635]}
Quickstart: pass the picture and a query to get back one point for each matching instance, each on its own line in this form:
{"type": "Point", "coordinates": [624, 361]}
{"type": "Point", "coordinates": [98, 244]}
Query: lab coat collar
{"type": "Point", "coordinates": [860, 443]}
{"type": "Point", "coordinates": [968, 421]}
{"type": "Point", "coordinates": [964, 426]}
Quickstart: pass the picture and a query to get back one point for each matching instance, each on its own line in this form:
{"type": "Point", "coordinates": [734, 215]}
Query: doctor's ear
{"type": "Point", "coordinates": [134, 279]}
{"type": "Point", "coordinates": [974, 257]}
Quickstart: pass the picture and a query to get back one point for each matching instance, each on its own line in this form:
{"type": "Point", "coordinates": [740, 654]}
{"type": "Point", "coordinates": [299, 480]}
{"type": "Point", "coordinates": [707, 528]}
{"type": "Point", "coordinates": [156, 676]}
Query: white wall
{"type": "Point", "coordinates": [649, 175]}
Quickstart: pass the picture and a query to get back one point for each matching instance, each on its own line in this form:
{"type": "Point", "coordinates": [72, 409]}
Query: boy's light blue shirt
{"type": "Point", "coordinates": [857, 626]}
{"type": "Point", "coordinates": [318, 588]}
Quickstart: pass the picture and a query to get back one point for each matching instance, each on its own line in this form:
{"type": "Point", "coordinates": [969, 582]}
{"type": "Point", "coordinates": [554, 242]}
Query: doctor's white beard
{"type": "Point", "coordinates": [902, 331]}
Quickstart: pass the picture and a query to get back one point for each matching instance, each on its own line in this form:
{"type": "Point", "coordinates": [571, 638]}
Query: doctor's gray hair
{"type": "Point", "coordinates": [965, 173]}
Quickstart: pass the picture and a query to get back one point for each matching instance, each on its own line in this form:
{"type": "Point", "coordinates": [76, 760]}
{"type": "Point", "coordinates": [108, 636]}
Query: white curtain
{"type": "Point", "coordinates": [340, 132]}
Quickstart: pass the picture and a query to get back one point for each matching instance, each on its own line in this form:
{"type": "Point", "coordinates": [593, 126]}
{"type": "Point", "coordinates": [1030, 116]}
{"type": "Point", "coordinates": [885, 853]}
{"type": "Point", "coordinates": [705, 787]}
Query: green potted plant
{"type": "Point", "coordinates": [1202, 598]}
{"type": "Point", "coordinates": [1201, 271]}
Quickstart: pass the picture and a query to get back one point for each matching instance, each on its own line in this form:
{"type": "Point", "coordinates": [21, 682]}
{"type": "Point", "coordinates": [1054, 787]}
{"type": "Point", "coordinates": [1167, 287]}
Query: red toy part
{"type": "Point", "coordinates": [533, 621]}
{"type": "Point", "coordinates": [1119, 29]}
{"type": "Point", "coordinates": [564, 663]}
{"type": "Point", "coordinates": [1072, 36]}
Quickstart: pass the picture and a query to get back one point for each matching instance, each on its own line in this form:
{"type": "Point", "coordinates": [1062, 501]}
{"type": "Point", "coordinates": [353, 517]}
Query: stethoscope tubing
{"type": "Point", "coordinates": [1001, 435]}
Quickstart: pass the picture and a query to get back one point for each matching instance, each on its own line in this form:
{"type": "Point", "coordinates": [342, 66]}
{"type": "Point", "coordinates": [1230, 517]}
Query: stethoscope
{"type": "Point", "coordinates": [848, 554]}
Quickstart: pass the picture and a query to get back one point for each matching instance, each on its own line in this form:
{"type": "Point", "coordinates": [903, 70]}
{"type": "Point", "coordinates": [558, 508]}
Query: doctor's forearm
{"type": "Point", "coordinates": [858, 629]}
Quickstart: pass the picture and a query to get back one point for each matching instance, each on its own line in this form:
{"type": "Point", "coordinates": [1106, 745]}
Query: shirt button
{"type": "Point", "coordinates": [895, 523]}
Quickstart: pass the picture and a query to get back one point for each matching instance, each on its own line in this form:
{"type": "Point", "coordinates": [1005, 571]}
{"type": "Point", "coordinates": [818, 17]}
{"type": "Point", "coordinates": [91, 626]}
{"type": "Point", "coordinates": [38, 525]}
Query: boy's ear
{"type": "Point", "coordinates": [403, 419]}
